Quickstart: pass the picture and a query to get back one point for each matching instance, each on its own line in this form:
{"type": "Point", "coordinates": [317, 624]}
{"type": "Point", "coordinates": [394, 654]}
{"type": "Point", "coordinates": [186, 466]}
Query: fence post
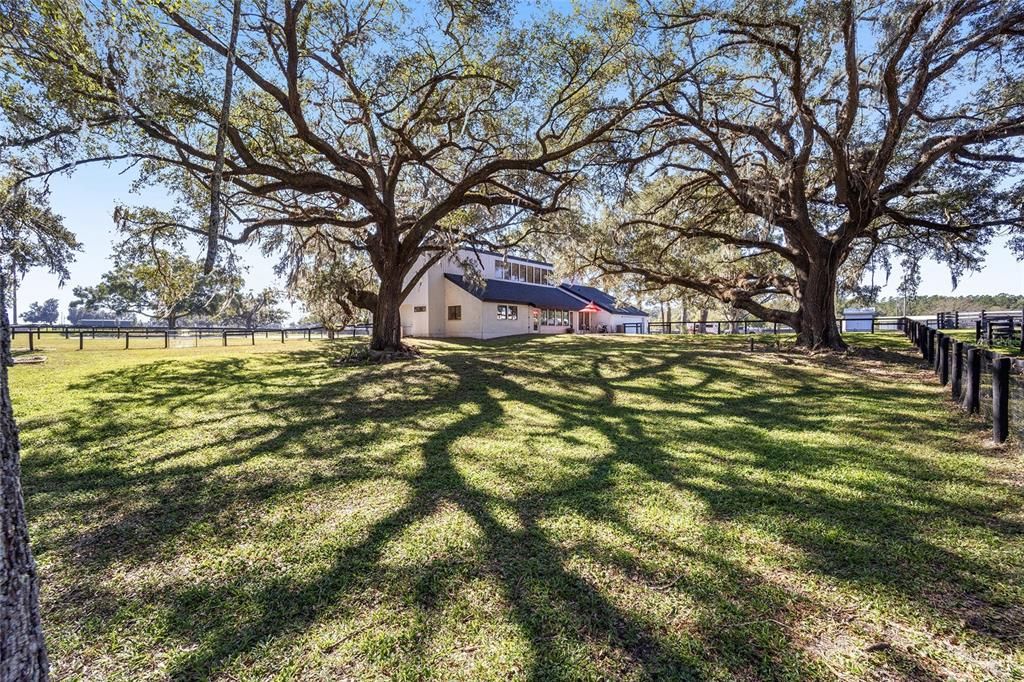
{"type": "Point", "coordinates": [167, 339]}
{"type": "Point", "coordinates": [253, 338]}
{"type": "Point", "coordinates": [972, 399]}
{"type": "Point", "coordinates": [719, 328]}
{"type": "Point", "coordinates": [81, 340]}
{"type": "Point", "coordinates": [929, 347]}
{"type": "Point", "coordinates": [225, 335]}
{"type": "Point", "coordinates": [282, 336]}
{"type": "Point", "coordinates": [126, 335]}
{"type": "Point", "coordinates": [977, 331]}
{"type": "Point", "coordinates": [1000, 399]}
{"type": "Point", "coordinates": [957, 369]}
{"type": "Point", "coordinates": [937, 351]}
{"type": "Point", "coordinates": [944, 360]}
{"type": "Point", "coordinates": [31, 344]}
{"type": "Point", "coordinates": [956, 319]}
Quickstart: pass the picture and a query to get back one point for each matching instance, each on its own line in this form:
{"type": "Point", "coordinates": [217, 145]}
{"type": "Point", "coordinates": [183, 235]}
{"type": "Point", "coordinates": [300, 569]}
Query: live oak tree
{"type": "Point", "coordinates": [820, 138]}
{"type": "Point", "coordinates": [158, 283]}
{"type": "Point", "coordinates": [250, 309]}
{"type": "Point", "coordinates": [48, 311]}
{"type": "Point", "coordinates": [31, 232]}
{"type": "Point", "coordinates": [398, 131]}
{"type": "Point", "coordinates": [78, 312]}
{"type": "Point", "coordinates": [32, 236]}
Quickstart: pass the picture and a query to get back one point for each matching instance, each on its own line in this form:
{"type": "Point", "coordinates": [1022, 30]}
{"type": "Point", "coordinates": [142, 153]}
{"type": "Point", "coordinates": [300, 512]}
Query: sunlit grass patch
{"type": "Point", "coordinates": [566, 507]}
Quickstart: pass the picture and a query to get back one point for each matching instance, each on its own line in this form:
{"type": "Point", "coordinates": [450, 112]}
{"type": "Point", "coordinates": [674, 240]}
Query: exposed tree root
{"type": "Point", "coordinates": [364, 355]}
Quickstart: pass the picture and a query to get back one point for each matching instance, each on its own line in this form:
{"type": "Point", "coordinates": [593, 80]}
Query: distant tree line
{"type": "Point", "coordinates": [925, 305]}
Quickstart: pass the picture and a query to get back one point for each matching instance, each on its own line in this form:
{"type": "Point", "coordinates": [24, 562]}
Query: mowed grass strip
{"type": "Point", "coordinates": [545, 508]}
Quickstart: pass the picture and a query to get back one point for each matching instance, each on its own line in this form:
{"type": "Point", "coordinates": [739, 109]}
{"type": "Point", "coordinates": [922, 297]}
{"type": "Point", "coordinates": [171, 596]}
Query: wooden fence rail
{"type": "Point", "coordinates": [961, 365]}
{"type": "Point", "coordinates": [131, 335]}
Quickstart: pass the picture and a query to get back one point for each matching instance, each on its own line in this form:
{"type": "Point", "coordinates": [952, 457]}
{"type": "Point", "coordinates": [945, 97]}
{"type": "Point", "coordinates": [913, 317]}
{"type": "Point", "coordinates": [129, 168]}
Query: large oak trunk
{"type": "Point", "coordinates": [22, 648]}
{"type": "Point", "coordinates": [816, 318]}
{"type": "Point", "coordinates": [387, 320]}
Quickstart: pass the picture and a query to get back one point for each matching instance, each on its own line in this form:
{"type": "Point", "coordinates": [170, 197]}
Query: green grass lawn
{"type": "Point", "coordinates": [1010, 347]}
{"type": "Point", "coordinates": [552, 508]}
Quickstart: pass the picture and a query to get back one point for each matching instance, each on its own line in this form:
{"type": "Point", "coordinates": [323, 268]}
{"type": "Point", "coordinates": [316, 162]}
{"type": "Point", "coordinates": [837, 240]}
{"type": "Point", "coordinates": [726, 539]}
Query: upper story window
{"type": "Point", "coordinates": [521, 272]}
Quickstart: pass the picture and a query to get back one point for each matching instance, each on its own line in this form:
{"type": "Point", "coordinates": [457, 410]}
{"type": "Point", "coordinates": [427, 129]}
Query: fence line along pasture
{"type": "Point", "coordinates": [980, 380]}
{"type": "Point", "coordinates": [108, 338]}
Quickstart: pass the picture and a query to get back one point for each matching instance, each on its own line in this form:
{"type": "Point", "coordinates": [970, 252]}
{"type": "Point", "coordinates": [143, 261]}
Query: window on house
{"type": "Point", "coordinates": [508, 312]}
{"type": "Point", "coordinates": [531, 274]}
{"type": "Point", "coordinates": [517, 272]}
{"type": "Point", "coordinates": [419, 308]}
{"type": "Point", "coordinates": [455, 312]}
{"type": "Point", "coordinates": [501, 269]}
{"type": "Point", "coordinates": [556, 318]}
{"type": "Point", "coordinates": [545, 277]}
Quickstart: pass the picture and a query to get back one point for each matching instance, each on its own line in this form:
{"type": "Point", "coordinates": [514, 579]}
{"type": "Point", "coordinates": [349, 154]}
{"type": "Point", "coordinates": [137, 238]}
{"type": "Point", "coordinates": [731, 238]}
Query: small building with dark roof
{"type": "Point", "coordinates": [485, 295]}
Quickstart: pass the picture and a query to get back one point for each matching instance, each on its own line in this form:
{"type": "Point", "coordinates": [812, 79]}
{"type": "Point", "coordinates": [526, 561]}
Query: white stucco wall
{"type": "Point", "coordinates": [479, 318]}
{"type": "Point", "coordinates": [616, 320]}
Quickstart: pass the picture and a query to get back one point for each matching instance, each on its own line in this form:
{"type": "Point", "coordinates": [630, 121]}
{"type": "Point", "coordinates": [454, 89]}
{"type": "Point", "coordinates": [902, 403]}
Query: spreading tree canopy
{"type": "Point", "coordinates": [398, 131]}
{"type": "Point", "coordinates": [158, 283]}
{"type": "Point", "coordinates": [47, 312]}
{"type": "Point", "coordinates": [802, 141]}
{"type": "Point", "coordinates": [31, 236]}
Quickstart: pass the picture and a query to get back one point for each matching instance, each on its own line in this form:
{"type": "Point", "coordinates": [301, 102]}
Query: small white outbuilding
{"type": "Point", "coordinates": [859, 319]}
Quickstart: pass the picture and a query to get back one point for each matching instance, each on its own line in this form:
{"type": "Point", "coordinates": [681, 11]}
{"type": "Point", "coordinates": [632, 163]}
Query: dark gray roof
{"type": "Point", "coordinates": [602, 300]}
{"type": "Point", "coordinates": [537, 295]}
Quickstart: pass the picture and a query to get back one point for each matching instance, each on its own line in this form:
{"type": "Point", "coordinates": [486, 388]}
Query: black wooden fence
{"type": "Point", "coordinates": [103, 337]}
{"type": "Point", "coordinates": [752, 326]}
{"type": "Point", "coordinates": [980, 381]}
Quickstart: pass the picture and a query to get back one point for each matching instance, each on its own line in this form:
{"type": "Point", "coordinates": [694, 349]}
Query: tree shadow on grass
{"type": "Point", "coordinates": [696, 421]}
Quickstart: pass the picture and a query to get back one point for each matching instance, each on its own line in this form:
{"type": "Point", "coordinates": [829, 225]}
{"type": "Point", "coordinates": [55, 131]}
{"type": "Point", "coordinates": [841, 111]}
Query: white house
{"type": "Point", "coordinates": [518, 296]}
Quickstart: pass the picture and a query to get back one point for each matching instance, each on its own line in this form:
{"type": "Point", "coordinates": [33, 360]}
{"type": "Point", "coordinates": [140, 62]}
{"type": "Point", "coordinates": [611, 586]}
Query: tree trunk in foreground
{"type": "Point", "coordinates": [22, 648]}
{"type": "Point", "coordinates": [14, 296]}
{"type": "Point", "coordinates": [816, 319]}
{"type": "Point", "coordinates": [387, 320]}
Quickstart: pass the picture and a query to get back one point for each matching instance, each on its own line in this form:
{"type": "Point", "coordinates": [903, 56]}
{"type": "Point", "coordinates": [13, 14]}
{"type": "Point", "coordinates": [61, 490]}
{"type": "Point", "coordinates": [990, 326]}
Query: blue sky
{"type": "Point", "coordinates": [87, 199]}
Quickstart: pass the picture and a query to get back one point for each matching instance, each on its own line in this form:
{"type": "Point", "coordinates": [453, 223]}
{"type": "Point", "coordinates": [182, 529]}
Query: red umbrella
{"type": "Point", "coordinates": [590, 308]}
